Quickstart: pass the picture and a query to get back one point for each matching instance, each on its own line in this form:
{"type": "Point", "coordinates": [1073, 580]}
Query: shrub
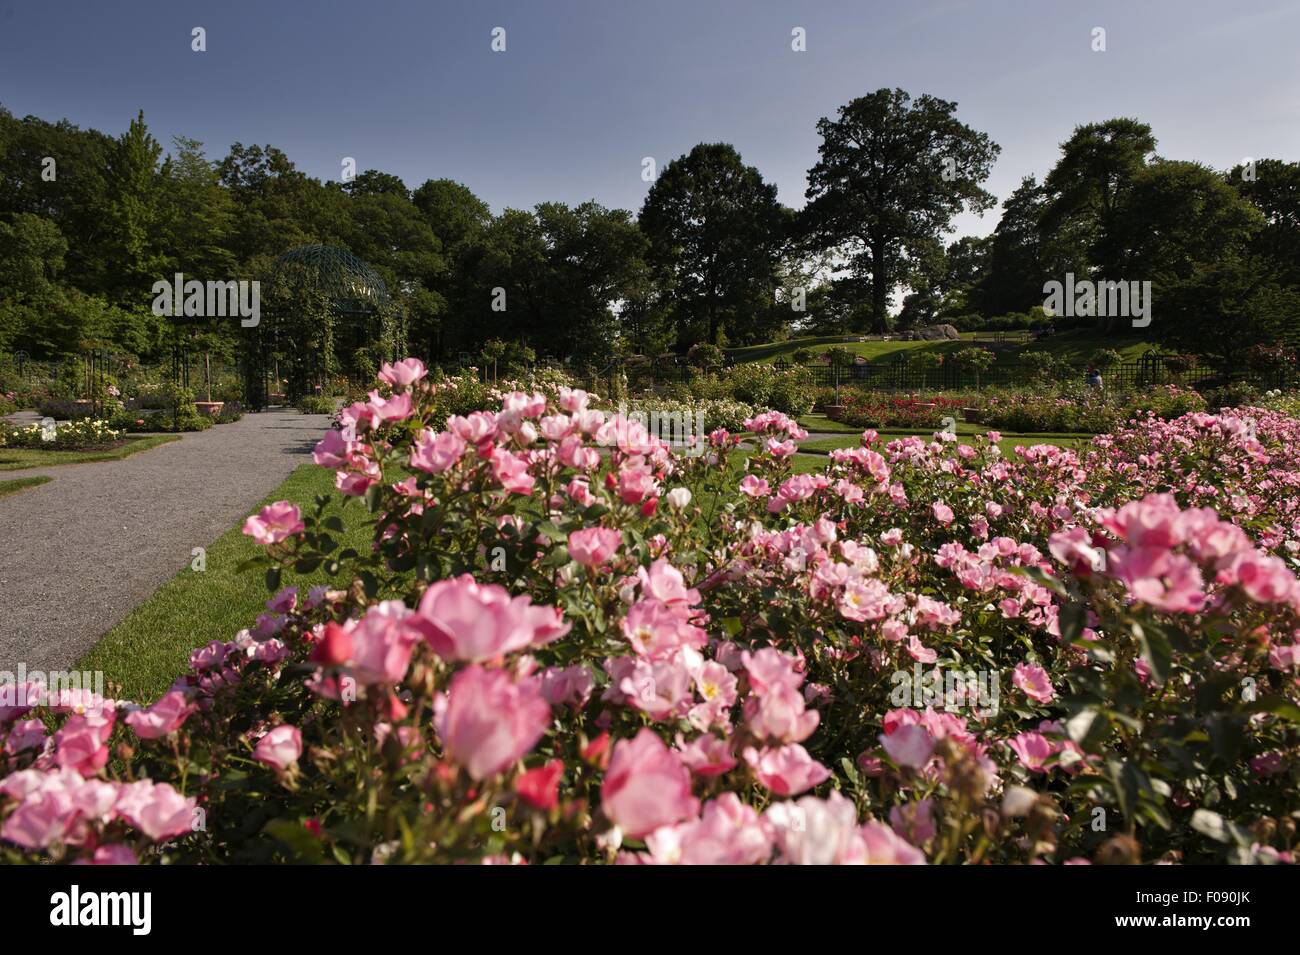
{"type": "Point", "coordinates": [911, 412]}
{"type": "Point", "coordinates": [317, 404]}
{"type": "Point", "coordinates": [1039, 365]}
{"type": "Point", "coordinates": [63, 409]}
{"type": "Point", "coordinates": [1232, 394]}
{"type": "Point", "coordinates": [924, 359]}
{"type": "Point", "coordinates": [704, 355]}
{"type": "Point", "coordinates": [630, 655]}
{"type": "Point", "coordinates": [139, 422]}
{"type": "Point", "coordinates": [71, 436]}
{"type": "Point", "coordinates": [1104, 358]}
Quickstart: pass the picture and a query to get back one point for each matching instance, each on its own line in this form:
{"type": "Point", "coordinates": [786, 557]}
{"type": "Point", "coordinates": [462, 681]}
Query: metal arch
{"type": "Point", "coordinates": [352, 286]}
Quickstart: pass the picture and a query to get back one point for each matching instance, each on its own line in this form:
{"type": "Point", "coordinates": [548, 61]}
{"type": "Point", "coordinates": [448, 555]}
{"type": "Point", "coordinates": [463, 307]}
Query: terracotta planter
{"type": "Point", "coordinates": [834, 411]}
{"type": "Point", "coordinates": [210, 408]}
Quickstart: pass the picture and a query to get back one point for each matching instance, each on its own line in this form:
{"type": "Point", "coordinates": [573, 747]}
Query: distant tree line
{"type": "Point", "coordinates": [88, 222]}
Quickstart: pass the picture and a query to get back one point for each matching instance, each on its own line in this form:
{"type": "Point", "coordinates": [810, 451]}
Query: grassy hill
{"type": "Point", "coordinates": [1075, 346]}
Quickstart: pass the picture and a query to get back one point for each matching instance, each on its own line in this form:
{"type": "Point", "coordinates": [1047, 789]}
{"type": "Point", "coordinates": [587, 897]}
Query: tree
{"type": "Point", "coordinates": [1087, 187]}
{"type": "Point", "coordinates": [716, 233]}
{"type": "Point", "coordinates": [1175, 216]}
{"type": "Point", "coordinates": [197, 215]}
{"type": "Point", "coordinates": [893, 173]}
{"type": "Point", "coordinates": [135, 258]}
{"type": "Point", "coordinates": [1273, 187]}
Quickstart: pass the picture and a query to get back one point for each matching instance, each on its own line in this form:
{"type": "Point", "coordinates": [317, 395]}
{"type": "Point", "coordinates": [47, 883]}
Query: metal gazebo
{"type": "Point", "coordinates": [363, 323]}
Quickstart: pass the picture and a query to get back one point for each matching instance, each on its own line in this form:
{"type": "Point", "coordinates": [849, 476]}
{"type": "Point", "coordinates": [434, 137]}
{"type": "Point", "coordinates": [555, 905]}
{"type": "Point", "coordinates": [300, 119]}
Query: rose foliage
{"type": "Point", "coordinates": [571, 642]}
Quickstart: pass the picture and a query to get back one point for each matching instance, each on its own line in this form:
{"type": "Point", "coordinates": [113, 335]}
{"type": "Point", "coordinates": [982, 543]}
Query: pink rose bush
{"type": "Point", "coordinates": [570, 641]}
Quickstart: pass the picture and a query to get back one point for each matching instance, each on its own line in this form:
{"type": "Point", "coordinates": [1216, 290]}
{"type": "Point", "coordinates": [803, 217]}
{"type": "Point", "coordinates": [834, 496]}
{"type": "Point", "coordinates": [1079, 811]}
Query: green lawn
{"type": "Point", "coordinates": [1075, 346]}
{"type": "Point", "coordinates": [15, 485]}
{"type": "Point", "coordinates": [15, 459]}
{"type": "Point", "coordinates": [1009, 441]}
{"type": "Point", "coordinates": [819, 422]}
{"type": "Point", "coordinates": [149, 648]}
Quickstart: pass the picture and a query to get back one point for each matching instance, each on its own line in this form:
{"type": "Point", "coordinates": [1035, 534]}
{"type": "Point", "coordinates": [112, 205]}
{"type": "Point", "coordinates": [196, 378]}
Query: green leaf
{"type": "Point", "coordinates": [1278, 706]}
{"type": "Point", "coordinates": [273, 578]}
{"type": "Point", "coordinates": [1213, 826]}
{"type": "Point", "coordinates": [302, 844]}
{"type": "Point", "coordinates": [1072, 617]}
{"type": "Point", "coordinates": [1155, 650]}
{"type": "Point", "coordinates": [1088, 727]}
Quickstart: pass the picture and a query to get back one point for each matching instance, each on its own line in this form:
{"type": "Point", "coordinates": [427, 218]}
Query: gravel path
{"type": "Point", "coordinates": [78, 553]}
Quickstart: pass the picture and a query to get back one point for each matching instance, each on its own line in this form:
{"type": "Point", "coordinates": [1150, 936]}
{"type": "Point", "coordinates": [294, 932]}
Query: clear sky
{"type": "Point", "coordinates": [587, 88]}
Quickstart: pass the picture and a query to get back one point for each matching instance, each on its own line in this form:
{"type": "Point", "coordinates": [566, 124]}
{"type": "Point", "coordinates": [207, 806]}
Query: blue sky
{"type": "Point", "coordinates": [587, 88]}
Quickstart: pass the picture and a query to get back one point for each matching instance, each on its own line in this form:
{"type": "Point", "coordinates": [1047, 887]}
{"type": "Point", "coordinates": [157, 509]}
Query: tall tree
{"type": "Point", "coordinates": [1273, 186]}
{"type": "Point", "coordinates": [135, 259]}
{"type": "Point", "coordinates": [716, 235]}
{"type": "Point", "coordinates": [1087, 186]}
{"type": "Point", "coordinates": [892, 175]}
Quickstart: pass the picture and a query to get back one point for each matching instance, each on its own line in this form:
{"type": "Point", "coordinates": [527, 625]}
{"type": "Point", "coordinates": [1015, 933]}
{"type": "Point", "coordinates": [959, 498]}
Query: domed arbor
{"type": "Point", "coordinates": [324, 313]}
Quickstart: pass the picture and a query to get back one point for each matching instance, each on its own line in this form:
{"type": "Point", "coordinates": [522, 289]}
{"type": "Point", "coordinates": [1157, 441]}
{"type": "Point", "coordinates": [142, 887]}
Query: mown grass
{"type": "Point", "coordinates": [1074, 346]}
{"type": "Point", "coordinates": [14, 485]}
{"type": "Point", "coordinates": [149, 648]}
{"type": "Point", "coordinates": [16, 459]}
{"type": "Point", "coordinates": [1008, 443]}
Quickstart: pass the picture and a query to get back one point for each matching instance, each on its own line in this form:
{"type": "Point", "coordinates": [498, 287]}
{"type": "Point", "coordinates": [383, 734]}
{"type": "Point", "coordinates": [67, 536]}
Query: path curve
{"type": "Point", "coordinates": [77, 554]}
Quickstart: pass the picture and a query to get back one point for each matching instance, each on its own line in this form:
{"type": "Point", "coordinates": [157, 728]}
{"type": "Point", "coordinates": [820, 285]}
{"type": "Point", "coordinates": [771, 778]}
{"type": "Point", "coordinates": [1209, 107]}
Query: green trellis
{"type": "Point", "coordinates": [325, 312]}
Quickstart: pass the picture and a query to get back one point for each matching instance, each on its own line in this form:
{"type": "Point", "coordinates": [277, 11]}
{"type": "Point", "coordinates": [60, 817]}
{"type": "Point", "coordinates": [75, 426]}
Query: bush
{"type": "Point", "coordinates": [1104, 358]}
{"type": "Point", "coordinates": [73, 436]}
{"type": "Point", "coordinates": [1233, 394]}
{"type": "Point", "coordinates": [317, 404]}
{"type": "Point", "coordinates": [704, 355]}
{"type": "Point", "coordinates": [64, 409]}
{"type": "Point", "coordinates": [140, 422]}
{"type": "Point", "coordinates": [910, 413]}
{"type": "Point", "coordinates": [633, 656]}
{"type": "Point", "coordinates": [788, 390]}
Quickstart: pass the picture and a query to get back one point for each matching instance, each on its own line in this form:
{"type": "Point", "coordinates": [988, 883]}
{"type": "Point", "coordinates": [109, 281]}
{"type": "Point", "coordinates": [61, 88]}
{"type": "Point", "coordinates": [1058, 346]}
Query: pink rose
{"type": "Point", "coordinates": [788, 770]}
{"type": "Point", "coordinates": [437, 453]}
{"type": "Point", "coordinates": [646, 786]}
{"type": "Point", "coordinates": [280, 748]}
{"type": "Point", "coordinates": [462, 619]}
{"type": "Point", "coordinates": [43, 818]}
{"type": "Point", "coordinates": [166, 716]}
{"type": "Point", "coordinates": [157, 810]}
{"type": "Point", "coordinates": [594, 546]}
{"type": "Point", "coordinates": [402, 374]}
{"type": "Point", "coordinates": [910, 745]}
{"type": "Point", "coordinates": [382, 642]}
{"type": "Point", "coordinates": [1034, 681]}
{"type": "Point", "coordinates": [81, 743]}
{"type": "Point", "coordinates": [274, 523]}
{"type": "Point", "coordinates": [488, 721]}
